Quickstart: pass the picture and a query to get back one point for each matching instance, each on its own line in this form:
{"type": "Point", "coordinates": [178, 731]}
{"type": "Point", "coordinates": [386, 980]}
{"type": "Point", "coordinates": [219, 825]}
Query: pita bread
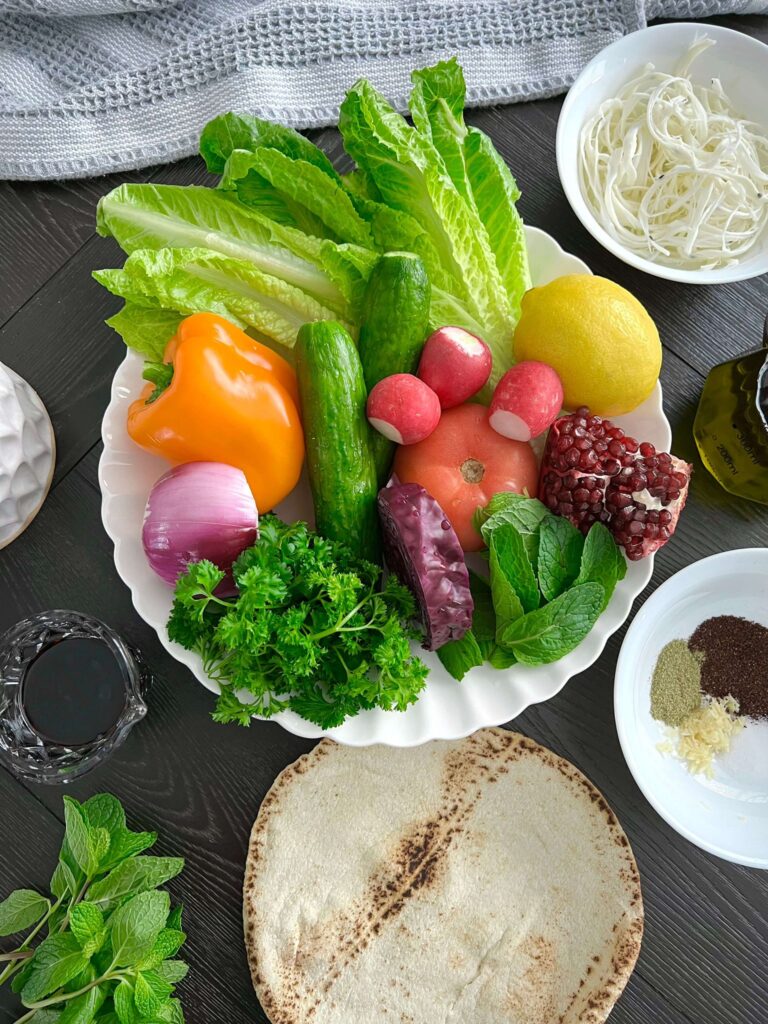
{"type": "Point", "coordinates": [484, 881]}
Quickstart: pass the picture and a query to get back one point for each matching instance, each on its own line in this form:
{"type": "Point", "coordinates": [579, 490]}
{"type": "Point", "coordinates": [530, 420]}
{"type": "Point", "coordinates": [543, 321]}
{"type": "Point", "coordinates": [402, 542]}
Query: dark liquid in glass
{"type": "Point", "coordinates": [73, 691]}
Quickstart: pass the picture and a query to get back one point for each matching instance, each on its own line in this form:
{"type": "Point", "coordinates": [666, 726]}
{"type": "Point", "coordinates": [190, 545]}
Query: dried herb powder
{"type": "Point", "coordinates": [676, 683]}
{"type": "Point", "coordinates": [735, 661]}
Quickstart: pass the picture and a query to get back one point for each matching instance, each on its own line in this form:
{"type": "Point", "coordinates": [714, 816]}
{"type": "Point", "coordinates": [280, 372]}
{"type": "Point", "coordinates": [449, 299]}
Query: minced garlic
{"type": "Point", "coordinates": [704, 733]}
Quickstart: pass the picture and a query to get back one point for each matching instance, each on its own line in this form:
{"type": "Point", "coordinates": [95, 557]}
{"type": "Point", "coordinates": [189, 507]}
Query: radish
{"type": "Point", "coordinates": [526, 401]}
{"type": "Point", "coordinates": [455, 364]}
{"type": "Point", "coordinates": [403, 408]}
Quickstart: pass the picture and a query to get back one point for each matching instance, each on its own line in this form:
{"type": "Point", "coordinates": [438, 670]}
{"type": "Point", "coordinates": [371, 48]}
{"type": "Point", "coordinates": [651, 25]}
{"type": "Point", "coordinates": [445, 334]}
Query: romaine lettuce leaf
{"type": "Point", "coordinates": [146, 329]}
{"type": "Point", "coordinates": [252, 189]}
{"type": "Point", "coordinates": [302, 186]}
{"type": "Point", "coordinates": [233, 131]}
{"type": "Point", "coordinates": [495, 193]}
{"type": "Point", "coordinates": [198, 280]}
{"type": "Point", "coordinates": [412, 177]}
{"type": "Point", "coordinates": [161, 216]}
{"type": "Point", "coordinates": [477, 171]}
{"type": "Point", "coordinates": [437, 109]}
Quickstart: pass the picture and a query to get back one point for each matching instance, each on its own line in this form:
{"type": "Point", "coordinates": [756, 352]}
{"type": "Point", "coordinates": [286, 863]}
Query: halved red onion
{"type": "Point", "coordinates": [199, 510]}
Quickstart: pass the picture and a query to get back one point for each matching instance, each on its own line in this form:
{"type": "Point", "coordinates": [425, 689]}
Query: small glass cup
{"type": "Point", "coordinates": [24, 750]}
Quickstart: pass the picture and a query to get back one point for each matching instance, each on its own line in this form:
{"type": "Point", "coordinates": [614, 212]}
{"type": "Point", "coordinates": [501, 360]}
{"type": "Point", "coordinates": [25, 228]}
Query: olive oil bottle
{"type": "Point", "coordinates": [731, 425]}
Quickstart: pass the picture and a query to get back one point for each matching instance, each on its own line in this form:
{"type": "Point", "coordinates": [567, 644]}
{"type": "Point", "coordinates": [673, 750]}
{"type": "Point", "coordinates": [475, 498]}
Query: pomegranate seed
{"type": "Point", "coordinates": [647, 450]}
{"type": "Point", "coordinates": [572, 457]}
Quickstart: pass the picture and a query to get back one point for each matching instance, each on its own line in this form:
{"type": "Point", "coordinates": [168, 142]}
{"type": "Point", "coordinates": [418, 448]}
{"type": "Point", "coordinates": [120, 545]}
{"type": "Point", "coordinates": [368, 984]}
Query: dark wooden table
{"type": "Point", "coordinates": [705, 954]}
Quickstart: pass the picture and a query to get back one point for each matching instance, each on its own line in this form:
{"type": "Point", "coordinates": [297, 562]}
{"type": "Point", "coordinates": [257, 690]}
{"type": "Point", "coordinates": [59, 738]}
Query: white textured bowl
{"type": "Point", "coordinates": [27, 454]}
{"type": "Point", "coordinates": [728, 814]}
{"type": "Point", "coordinates": [446, 709]}
{"type": "Point", "coordinates": [738, 60]}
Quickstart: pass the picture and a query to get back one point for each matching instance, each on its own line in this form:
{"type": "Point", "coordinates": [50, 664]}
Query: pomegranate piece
{"type": "Point", "coordinates": [592, 472]}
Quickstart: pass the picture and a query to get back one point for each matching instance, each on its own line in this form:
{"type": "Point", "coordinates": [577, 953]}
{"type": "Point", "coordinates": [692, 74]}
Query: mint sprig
{"type": "Point", "coordinates": [547, 586]}
{"type": "Point", "coordinates": [109, 935]}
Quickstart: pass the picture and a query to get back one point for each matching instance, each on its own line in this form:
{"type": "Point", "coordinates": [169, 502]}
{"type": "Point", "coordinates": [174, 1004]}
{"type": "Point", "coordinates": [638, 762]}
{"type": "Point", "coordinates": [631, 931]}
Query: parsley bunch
{"type": "Point", "coordinates": [310, 628]}
{"type": "Point", "coordinates": [107, 955]}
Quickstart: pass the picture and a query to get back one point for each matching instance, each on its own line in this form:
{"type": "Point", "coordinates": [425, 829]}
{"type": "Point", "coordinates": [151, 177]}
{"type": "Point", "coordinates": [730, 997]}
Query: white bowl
{"type": "Point", "coordinates": [728, 814]}
{"type": "Point", "coordinates": [738, 60]}
{"type": "Point", "coordinates": [446, 709]}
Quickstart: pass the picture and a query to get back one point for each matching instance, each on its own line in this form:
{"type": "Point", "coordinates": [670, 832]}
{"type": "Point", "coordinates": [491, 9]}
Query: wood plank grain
{"type": "Point", "coordinates": [42, 225]}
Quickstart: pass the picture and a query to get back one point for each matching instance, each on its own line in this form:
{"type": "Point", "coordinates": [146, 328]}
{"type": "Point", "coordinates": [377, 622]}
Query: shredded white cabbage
{"type": "Point", "coordinates": [672, 173]}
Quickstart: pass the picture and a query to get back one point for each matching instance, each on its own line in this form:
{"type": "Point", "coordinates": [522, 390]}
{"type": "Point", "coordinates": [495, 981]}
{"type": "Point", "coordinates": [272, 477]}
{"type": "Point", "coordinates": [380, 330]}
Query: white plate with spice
{"type": "Point", "coordinates": [727, 813]}
{"type": "Point", "coordinates": [446, 709]}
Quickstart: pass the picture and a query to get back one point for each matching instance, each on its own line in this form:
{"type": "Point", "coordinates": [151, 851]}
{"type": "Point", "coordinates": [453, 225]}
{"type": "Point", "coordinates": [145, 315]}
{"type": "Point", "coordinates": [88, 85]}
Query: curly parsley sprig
{"type": "Point", "coordinates": [310, 628]}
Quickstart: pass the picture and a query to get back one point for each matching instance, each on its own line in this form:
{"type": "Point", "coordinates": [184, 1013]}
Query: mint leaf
{"type": "Point", "coordinates": [62, 881]}
{"type": "Point", "coordinates": [21, 978]}
{"type": "Point", "coordinates": [172, 971]}
{"type": "Point", "coordinates": [549, 633]}
{"type": "Point", "coordinates": [509, 560]}
{"type": "Point", "coordinates": [139, 874]}
{"type": "Point", "coordinates": [135, 925]}
{"type": "Point", "coordinates": [161, 987]}
{"type": "Point", "coordinates": [124, 1005]}
{"type": "Point", "coordinates": [86, 922]}
{"type": "Point", "coordinates": [560, 547]}
{"type": "Point", "coordinates": [174, 918]}
{"type": "Point", "coordinates": [57, 960]}
{"type": "Point", "coordinates": [105, 811]}
{"type": "Point", "coordinates": [21, 910]}
{"type": "Point", "coordinates": [171, 1012]}
{"type": "Point", "coordinates": [146, 1001]}
{"type": "Point", "coordinates": [501, 659]}
{"type": "Point", "coordinates": [82, 1009]}
{"type": "Point", "coordinates": [525, 514]}
{"type": "Point", "coordinates": [483, 616]}
{"type": "Point", "coordinates": [167, 943]}
{"type": "Point", "coordinates": [458, 656]}
{"type": "Point", "coordinates": [78, 836]}
{"type": "Point", "coordinates": [602, 561]}
{"type": "Point", "coordinates": [506, 603]}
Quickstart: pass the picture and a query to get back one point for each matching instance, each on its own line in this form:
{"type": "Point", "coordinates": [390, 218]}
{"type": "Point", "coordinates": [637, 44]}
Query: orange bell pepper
{"type": "Point", "coordinates": [230, 400]}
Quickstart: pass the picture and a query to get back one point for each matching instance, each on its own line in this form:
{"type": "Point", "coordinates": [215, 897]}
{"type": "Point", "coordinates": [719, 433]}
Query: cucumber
{"type": "Point", "coordinates": [395, 324]}
{"type": "Point", "coordinates": [342, 473]}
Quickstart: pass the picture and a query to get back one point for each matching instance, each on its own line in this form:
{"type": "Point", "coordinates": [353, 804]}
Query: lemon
{"type": "Point", "coordinates": [598, 337]}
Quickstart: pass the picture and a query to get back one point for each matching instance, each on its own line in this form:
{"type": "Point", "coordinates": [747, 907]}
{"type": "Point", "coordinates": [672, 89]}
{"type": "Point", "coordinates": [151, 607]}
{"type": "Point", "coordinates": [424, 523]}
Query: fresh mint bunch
{"type": "Point", "coordinates": [310, 628]}
{"type": "Point", "coordinates": [546, 589]}
{"type": "Point", "coordinates": [109, 934]}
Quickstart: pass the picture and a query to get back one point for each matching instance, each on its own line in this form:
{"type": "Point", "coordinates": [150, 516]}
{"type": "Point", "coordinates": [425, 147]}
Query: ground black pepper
{"type": "Point", "coordinates": [735, 661]}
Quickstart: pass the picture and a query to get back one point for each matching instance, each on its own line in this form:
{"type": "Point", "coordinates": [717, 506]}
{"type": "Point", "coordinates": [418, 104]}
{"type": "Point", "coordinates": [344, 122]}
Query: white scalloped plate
{"type": "Point", "coordinates": [446, 709]}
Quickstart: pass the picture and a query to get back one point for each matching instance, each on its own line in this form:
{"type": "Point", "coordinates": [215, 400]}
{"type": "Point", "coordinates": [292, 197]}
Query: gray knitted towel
{"type": "Point", "coordinates": [91, 86]}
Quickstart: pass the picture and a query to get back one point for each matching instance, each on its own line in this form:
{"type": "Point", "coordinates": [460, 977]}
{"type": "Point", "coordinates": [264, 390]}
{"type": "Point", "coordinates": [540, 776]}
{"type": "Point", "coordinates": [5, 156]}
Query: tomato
{"type": "Point", "coordinates": [463, 463]}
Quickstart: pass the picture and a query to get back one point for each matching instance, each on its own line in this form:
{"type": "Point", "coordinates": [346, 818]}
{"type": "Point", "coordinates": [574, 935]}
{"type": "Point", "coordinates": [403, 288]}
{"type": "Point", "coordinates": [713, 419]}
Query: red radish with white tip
{"type": "Point", "coordinates": [403, 408]}
{"type": "Point", "coordinates": [455, 364]}
{"type": "Point", "coordinates": [526, 401]}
